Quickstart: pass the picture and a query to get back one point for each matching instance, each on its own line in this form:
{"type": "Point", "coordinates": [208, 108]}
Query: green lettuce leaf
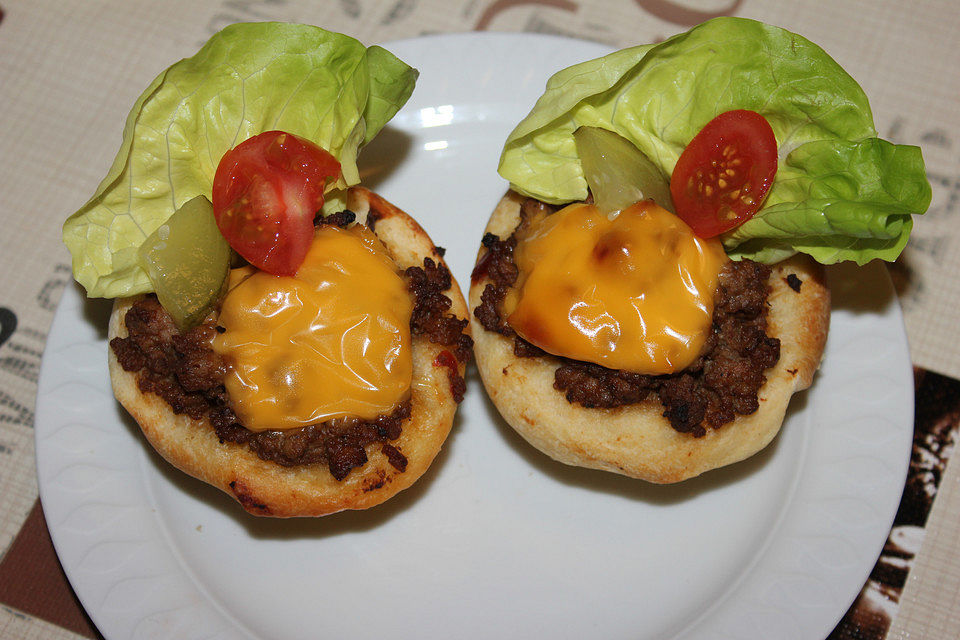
{"type": "Point", "coordinates": [840, 193]}
{"type": "Point", "coordinates": [247, 79]}
{"type": "Point", "coordinates": [838, 200]}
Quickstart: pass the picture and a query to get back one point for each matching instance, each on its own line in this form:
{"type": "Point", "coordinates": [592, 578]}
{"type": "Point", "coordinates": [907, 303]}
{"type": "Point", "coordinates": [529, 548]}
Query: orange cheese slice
{"type": "Point", "coordinates": [632, 291]}
{"type": "Point", "coordinates": [331, 341]}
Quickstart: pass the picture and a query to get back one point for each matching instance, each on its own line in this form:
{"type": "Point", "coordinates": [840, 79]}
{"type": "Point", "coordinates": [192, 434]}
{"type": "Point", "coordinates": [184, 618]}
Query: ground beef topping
{"type": "Point", "coordinates": [794, 282]}
{"type": "Point", "coordinates": [431, 317]}
{"type": "Point", "coordinates": [184, 370]}
{"type": "Point", "coordinates": [497, 264]}
{"type": "Point", "coordinates": [720, 385]}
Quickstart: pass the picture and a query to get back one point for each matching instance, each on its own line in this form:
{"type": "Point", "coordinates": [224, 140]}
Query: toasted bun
{"type": "Point", "coordinates": [269, 489]}
{"type": "Point", "coordinates": [636, 440]}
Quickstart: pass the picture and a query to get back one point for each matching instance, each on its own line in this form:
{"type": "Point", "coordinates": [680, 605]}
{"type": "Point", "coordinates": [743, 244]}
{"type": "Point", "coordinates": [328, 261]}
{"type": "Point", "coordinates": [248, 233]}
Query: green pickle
{"type": "Point", "coordinates": [187, 260]}
{"type": "Point", "coordinates": [617, 172]}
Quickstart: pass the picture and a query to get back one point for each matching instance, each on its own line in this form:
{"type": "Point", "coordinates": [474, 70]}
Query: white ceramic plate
{"type": "Point", "coordinates": [496, 541]}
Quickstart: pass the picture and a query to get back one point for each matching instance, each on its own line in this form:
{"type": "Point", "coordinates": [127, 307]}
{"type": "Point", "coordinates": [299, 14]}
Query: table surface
{"type": "Point", "coordinates": [62, 93]}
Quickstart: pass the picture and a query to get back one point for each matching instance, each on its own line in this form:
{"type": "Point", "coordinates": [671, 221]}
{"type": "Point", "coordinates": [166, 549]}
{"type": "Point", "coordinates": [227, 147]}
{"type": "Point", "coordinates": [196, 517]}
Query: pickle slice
{"type": "Point", "coordinates": [617, 172]}
{"type": "Point", "coordinates": [187, 260]}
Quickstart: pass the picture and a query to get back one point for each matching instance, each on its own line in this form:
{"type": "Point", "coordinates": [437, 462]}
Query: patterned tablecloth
{"type": "Point", "coordinates": [70, 71]}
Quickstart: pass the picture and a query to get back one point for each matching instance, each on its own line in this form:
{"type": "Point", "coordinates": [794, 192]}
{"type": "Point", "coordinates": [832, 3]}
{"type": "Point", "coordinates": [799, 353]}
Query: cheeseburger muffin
{"type": "Point", "coordinates": [279, 331]}
{"type": "Point", "coordinates": [649, 293]}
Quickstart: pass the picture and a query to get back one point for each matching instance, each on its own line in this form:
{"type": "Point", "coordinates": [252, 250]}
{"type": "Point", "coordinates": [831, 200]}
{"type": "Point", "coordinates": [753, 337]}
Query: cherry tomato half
{"type": "Point", "coordinates": [266, 192]}
{"type": "Point", "coordinates": [724, 174]}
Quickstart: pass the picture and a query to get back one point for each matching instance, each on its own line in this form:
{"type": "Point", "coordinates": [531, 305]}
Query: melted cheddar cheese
{"type": "Point", "coordinates": [632, 291]}
{"type": "Point", "coordinates": [331, 341]}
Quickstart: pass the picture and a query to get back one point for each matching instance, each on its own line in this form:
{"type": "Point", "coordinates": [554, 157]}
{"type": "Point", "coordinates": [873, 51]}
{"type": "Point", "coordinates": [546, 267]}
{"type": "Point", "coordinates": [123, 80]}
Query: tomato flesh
{"type": "Point", "coordinates": [266, 193]}
{"type": "Point", "coordinates": [724, 174]}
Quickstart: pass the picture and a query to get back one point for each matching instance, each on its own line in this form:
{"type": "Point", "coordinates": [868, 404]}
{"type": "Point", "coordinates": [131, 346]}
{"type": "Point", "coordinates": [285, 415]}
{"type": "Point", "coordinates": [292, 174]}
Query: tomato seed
{"type": "Point", "coordinates": [726, 213]}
